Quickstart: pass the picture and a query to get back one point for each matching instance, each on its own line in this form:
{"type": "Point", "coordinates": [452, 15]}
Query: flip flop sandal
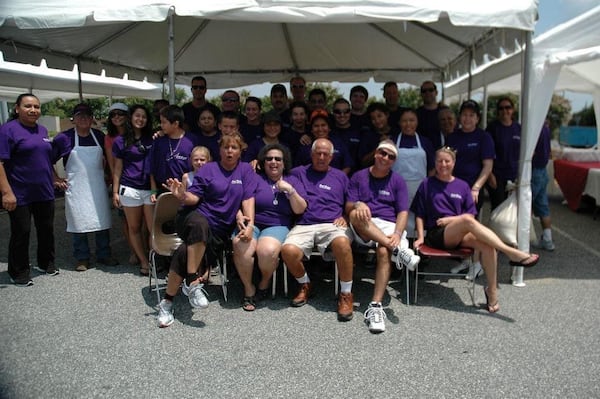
{"type": "Point", "coordinates": [249, 304]}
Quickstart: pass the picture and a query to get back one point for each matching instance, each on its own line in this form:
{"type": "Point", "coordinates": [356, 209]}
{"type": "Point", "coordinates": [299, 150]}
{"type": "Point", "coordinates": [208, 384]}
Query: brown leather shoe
{"type": "Point", "coordinates": [302, 296]}
{"type": "Point", "coordinates": [345, 306]}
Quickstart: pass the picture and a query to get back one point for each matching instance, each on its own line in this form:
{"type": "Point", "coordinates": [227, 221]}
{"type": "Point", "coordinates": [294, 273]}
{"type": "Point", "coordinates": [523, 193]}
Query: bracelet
{"type": "Point", "coordinates": [356, 204]}
{"type": "Point", "coordinates": [290, 193]}
{"type": "Point", "coordinates": [154, 192]}
{"type": "Point", "coordinates": [398, 232]}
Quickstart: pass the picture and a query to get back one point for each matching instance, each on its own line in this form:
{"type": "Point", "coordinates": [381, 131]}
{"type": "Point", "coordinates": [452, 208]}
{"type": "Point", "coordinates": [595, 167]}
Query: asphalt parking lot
{"type": "Point", "coordinates": [94, 334]}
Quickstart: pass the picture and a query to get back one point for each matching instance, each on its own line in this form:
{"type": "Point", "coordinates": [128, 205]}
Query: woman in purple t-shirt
{"type": "Point", "coordinates": [26, 185]}
{"type": "Point", "coordinates": [277, 200]}
{"type": "Point", "coordinates": [131, 180]}
{"type": "Point", "coordinates": [444, 207]}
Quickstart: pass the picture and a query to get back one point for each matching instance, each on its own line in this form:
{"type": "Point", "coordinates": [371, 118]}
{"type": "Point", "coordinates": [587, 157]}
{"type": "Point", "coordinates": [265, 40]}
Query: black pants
{"type": "Point", "coordinates": [20, 229]}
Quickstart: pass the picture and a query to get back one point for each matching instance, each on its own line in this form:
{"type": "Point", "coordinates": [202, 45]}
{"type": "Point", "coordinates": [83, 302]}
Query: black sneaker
{"type": "Point", "coordinates": [51, 270]}
{"type": "Point", "coordinates": [22, 283]}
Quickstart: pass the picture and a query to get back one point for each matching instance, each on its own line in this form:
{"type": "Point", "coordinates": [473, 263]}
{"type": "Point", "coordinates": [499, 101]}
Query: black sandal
{"type": "Point", "coordinates": [261, 295]}
{"type": "Point", "coordinates": [249, 304]}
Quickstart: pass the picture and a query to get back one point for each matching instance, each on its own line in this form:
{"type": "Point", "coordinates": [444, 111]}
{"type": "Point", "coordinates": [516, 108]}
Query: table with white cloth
{"type": "Point", "coordinates": [592, 187]}
{"type": "Point", "coordinates": [572, 177]}
{"type": "Point", "coordinates": [580, 154]}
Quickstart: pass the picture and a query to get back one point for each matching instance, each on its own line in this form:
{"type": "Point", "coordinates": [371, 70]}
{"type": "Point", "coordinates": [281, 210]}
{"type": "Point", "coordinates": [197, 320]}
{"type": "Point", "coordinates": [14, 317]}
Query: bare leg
{"type": "Point", "coordinates": [134, 217]}
{"type": "Point", "coordinates": [382, 273]}
{"type": "Point", "coordinates": [292, 256]}
{"type": "Point", "coordinates": [343, 256]}
{"type": "Point", "coordinates": [267, 251]}
{"type": "Point", "coordinates": [243, 257]}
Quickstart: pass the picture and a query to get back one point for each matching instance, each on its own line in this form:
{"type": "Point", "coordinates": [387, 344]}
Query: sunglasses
{"type": "Point", "coordinates": [230, 100]}
{"type": "Point", "coordinates": [428, 90]}
{"type": "Point", "coordinates": [278, 159]}
{"type": "Point", "coordinates": [297, 86]}
{"type": "Point", "coordinates": [384, 154]}
{"type": "Point", "coordinates": [504, 107]}
{"type": "Point", "coordinates": [198, 87]}
{"type": "Point", "coordinates": [117, 113]}
{"type": "Point", "coordinates": [341, 111]}
{"type": "Point", "coordinates": [448, 148]}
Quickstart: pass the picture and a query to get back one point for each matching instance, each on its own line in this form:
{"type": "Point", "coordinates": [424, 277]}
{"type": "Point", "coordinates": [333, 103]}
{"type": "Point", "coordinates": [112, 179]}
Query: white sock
{"type": "Point", "coordinates": [547, 234]}
{"type": "Point", "coordinates": [303, 279]}
{"type": "Point", "coordinates": [346, 286]}
{"type": "Point", "coordinates": [373, 303]}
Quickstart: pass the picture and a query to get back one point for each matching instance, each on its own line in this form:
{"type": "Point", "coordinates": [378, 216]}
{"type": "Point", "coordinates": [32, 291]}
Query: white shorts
{"type": "Point", "coordinates": [386, 227]}
{"type": "Point", "coordinates": [319, 236]}
{"type": "Point", "coordinates": [133, 197]}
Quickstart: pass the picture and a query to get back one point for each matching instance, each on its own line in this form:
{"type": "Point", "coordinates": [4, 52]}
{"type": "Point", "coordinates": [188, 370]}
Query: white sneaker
{"type": "Point", "coordinates": [405, 257]}
{"type": "Point", "coordinates": [165, 313]}
{"type": "Point", "coordinates": [548, 245]}
{"type": "Point", "coordinates": [375, 318]}
{"type": "Point", "coordinates": [474, 271]}
{"type": "Point", "coordinates": [459, 268]}
{"type": "Point", "coordinates": [196, 295]}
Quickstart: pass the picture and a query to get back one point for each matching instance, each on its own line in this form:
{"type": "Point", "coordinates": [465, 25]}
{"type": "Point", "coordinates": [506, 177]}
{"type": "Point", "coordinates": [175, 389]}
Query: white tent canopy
{"type": "Point", "coordinates": [573, 48]}
{"type": "Point", "coordinates": [239, 42]}
{"type": "Point", "coordinates": [48, 83]}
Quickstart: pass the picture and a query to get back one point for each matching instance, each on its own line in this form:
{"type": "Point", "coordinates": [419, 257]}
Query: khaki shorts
{"type": "Point", "coordinates": [319, 236]}
{"type": "Point", "coordinates": [386, 227]}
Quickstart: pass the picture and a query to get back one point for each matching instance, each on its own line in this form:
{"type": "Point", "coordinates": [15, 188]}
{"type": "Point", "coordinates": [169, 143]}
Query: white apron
{"type": "Point", "coordinates": [86, 200]}
{"type": "Point", "coordinates": [411, 164]}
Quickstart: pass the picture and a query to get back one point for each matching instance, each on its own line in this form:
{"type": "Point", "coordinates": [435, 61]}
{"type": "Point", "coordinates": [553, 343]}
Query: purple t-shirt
{"type": "Point", "coordinates": [65, 141]}
{"type": "Point", "coordinates": [135, 166]}
{"type": "Point", "coordinates": [341, 155]}
{"type": "Point", "coordinates": [210, 142]}
{"type": "Point", "coordinates": [429, 125]}
{"type": "Point", "coordinates": [436, 199]}
{"type": "Point", "coordinates": [325, 194]}
{"type": "Point", "coordinates": [541, 156]}
{"type": "Point", "coordinates": [351, 138]}
{"type": "Point", "coordinates": [471, 149]}
{"type": "Point", "coordinates": [507, 143]}
{"type": "Point", "coordinates": [26, 153]}
{"type": "Point", "coordinates": [251, 132]}
{"type": "Point", "coordinates": [221, 193]}
{"type": "Point", "coordinates": [386, 196]}
{"type": "Point", "coordinates": [170, 158]}
{"type": "Point", "coordinates": [272, 206]}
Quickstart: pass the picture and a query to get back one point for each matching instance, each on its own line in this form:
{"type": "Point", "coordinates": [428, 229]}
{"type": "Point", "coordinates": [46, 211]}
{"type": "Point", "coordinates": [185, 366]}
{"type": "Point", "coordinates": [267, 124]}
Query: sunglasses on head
{"type": "Point", "coordinates": [278, 159]}
{"type": "Point", "coordinates": [198, 87]}
{"type": "Point", "coordinates": [448, 148]}
{"type": "Point", "coordinates": [384, 154]}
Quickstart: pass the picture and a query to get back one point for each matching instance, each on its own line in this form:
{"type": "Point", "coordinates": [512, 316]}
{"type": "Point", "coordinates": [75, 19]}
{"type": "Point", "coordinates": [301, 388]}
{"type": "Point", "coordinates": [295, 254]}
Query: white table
{"type": "Point", "coordinates": [580, 154]}
{"type": "Point", "coordinates": [592, 185]}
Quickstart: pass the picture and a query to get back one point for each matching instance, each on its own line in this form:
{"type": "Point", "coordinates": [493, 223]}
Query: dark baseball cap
{"type": "Point", "coordinates": [271, 116]}
{"type": "Point", "coordinates": [82, 108]}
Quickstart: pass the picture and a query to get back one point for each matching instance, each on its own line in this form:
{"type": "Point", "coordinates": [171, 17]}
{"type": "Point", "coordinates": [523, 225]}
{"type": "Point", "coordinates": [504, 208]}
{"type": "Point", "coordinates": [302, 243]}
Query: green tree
{"type": "Point", "coordinates": [559, 113]}
{"type": "Point", "coordinates": [410, 97]}
{"type": "Point", "coordinates": [585, 117]}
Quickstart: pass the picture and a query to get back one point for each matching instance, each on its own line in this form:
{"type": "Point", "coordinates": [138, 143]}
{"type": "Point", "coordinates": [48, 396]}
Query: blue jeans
{"type": "Point", "coordinates": [539, 196]}
{"type": "Point", "coordinates": [81, 248]}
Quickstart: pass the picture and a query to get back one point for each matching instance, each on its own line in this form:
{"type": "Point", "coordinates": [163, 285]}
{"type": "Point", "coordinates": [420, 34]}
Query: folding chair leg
{"type": "Point", "coordinates": [407, 278]}
{"type": "Point", "coordinates": [336, 279]}
{"type": "Point", "coordinates": [223, 273]}
{"type": "Point", "coordinates": [274, 283]}
{"type": "Point", "coordinates": [285, 280]}
{"type": "Point", "coordinates": [154, 275]}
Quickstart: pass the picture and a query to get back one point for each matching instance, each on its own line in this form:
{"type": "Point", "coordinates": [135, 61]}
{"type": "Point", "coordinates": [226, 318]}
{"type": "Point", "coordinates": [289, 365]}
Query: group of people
{"type": "Point", "coordinates": [280, 185]}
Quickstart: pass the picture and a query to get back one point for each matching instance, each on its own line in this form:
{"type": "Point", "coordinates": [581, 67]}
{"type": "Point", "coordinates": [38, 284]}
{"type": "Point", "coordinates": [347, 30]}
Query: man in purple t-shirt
{"type": "Point", "coordinates": [321, 226]}
{"type": "Point", "coordinates": [378, 209]}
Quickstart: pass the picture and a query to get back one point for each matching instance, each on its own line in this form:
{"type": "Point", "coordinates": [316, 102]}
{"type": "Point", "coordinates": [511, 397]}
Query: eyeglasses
{"type": "Point", "coordinates": [427, 90]}
{"type": "Point", "coordinates": [384, 154]}
{"type": "Point", "coordinates": [117, 113]}
{"type": "Point", "coordinates": [278, 159]}
{"type": "Point", "coordinates": [341, 111]}
{"type": "Point", "coordinates": [504, 107]}
{"type": "Point", "coordinates": [198, 87]}
{"type": "Point", "coordinates": [297, 86]}
{"type": "Point", "coordinates": [230, 100]}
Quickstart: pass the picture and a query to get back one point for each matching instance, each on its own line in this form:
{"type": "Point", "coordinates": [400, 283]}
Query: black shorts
{"type": "Point", "coordinates": [435, 237]}
{"type": "Point", "coordinates": [192, 227]}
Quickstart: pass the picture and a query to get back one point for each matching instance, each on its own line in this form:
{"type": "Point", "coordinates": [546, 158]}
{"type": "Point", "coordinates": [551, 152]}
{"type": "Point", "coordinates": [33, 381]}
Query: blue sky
{"type": "Point", "coordinates": [551, 13]}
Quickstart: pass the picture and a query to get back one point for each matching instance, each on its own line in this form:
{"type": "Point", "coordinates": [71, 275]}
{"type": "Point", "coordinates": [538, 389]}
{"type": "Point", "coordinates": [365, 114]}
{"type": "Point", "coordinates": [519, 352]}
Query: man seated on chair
{"type": "Point", "coordinates": [378, 209]}
{"type": "Point", "coordinates": [322, 225]}
{"type": "Point", "coordinates": [218, 191]}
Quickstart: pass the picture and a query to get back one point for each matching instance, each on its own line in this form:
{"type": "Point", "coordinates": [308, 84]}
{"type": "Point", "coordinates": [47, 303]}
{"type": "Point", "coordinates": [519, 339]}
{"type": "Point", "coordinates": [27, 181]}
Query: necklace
{"type": "Point", "coordinates": [173, 151]}
{"type": "Point", "coordinates": [275, 194]}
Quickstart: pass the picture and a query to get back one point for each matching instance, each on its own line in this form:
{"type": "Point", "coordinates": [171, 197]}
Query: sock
{"type": "Point", "coordinates": [303, 279]}
{"type": "Point", "coordinates": [374, 304]}
{"type": "Point", "coordinates": [191, 277]}
{"type": "Point", "coordinates": [547, 234]}
{"type": "Point", "coordinates": [346, 286]}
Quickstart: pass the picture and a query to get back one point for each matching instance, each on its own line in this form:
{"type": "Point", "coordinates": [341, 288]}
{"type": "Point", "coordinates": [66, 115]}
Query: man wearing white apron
{"type": "Point", "coordinates": [411, 164]}
{"type": "Point", "coordinates": [87, 208]}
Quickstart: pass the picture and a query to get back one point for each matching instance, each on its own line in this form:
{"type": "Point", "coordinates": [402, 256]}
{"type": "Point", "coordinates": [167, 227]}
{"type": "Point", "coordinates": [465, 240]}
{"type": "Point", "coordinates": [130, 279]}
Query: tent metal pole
{"type": "Point", "coordinates": [524, 219]}
{"type": "Point", "coordinates": [484, 121]}
{"type": "Point", "coordinates": [171, 56]}
{"type": "Point", "coordinates": [79, 83]}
